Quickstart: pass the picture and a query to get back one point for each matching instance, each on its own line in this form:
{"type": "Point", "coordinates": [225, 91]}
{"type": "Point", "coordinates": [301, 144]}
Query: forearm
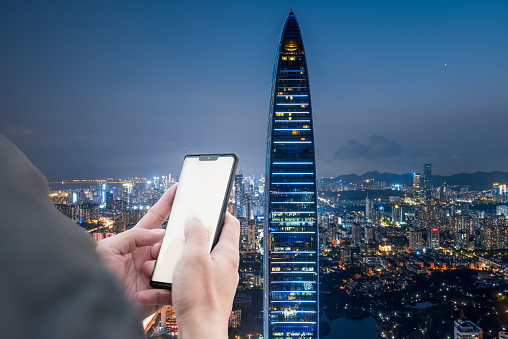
{"type": "Point", "coordinates": [203, 329]}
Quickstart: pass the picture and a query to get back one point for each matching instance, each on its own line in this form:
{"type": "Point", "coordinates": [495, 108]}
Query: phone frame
{"type": "Point", "coordinates": [222, 215]}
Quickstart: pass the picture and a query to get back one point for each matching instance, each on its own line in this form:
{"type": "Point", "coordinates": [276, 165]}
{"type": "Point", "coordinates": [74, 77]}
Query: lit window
{"type": "Point", "coordinates": [290, 118]}
{"type": "Point", "coordinates": [279, 114]}
{"type": "Point", "coordinates": [303, 105]}
{"type": "Point", "coordinates": [296, 132]}
{"type": "Point", "coordinates": [284, 58]}
{"type": "Point", "coordinates": [292, 58]}
{"type": "Point", "coordinates": [305, 126]}
{"type": "Point", "coordinates": [290, 98]}
{"type": "Point", "coordinates": [289, 114]}
{"type": "Point", "coordinates": [303, 139]}
{"type": "Point", "coordinates": [286, 97]}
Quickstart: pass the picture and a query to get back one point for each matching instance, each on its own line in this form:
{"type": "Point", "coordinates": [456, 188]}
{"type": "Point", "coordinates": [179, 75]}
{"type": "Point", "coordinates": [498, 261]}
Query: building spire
{"type": "Point", "coordinates": [291, 12]}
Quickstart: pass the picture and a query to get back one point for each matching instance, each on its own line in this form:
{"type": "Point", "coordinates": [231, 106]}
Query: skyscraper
{"type": "Point", "coordinates": [239, 197]}
{"type": "Point", "coordinates": [290, 262]}
{"type": "Point", "coordinates": [427, 175]}
{"type": "Point", "coordinates": [415, 239]}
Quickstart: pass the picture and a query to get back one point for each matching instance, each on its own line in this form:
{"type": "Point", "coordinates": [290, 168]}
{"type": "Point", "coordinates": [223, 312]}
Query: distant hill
{"type": "Point", "coordinates": [477, 180]}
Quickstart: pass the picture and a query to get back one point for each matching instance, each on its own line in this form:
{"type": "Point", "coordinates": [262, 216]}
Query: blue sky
{"type": "Point", "coordinates": [117, 88]}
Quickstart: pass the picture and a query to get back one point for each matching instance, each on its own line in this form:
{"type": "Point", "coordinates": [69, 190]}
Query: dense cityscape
{"type": "Point", "coordinates": [416, 258]}
{"type": "Point", "coordinates": [106, 91]}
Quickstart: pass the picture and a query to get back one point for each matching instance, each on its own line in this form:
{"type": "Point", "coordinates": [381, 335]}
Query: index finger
{"type": "Point", "coordinates": [160, 211]}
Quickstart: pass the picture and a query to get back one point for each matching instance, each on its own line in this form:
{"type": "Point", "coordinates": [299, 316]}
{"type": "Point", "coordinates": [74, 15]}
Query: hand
{"type": "Point", "coordinates": [204, 283]}
{"type": "Point", "coordinates": [126, 253]}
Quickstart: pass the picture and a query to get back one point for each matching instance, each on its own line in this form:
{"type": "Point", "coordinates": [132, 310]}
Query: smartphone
{"type": "Point", "coordinates": [203, 192]}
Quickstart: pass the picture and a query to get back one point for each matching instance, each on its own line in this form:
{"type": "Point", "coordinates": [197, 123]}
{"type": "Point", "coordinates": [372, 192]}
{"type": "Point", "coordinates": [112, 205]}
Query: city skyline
{"type": "Point", "coordinates": [122, 89]}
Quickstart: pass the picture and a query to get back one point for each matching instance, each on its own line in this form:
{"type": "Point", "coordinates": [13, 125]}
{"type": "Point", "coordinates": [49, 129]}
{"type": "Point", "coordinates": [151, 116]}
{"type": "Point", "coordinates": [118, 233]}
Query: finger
{"type": "Point", "coordinates": [148, 267]}
{"type": "Point", "coordinates": [154, 297]}
{"type": "Point", "coordinates": [154, 252]}
{"type": "Point", "coordinates": [127, 242]}
{"type": "Point", "coordinates": [158, 212]}
{"type": "Point", "coordinates": [196, 236]}
{"type": "Point", "coordinates": [229, 238]}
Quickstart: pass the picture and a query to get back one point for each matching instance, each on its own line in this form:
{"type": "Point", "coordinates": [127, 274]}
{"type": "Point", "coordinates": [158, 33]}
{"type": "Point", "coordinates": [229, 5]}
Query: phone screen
{"type": "Point", "coordinates": [203, 192]}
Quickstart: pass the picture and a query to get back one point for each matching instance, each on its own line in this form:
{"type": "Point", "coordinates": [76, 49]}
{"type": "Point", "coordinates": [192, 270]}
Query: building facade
{"type": "Point", "coordinates": [465, 329]}
{"type": "Point", "coordinates": [290, 261]}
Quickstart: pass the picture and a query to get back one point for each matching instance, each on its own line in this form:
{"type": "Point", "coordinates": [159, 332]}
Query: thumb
{"type": "Point", "coordinates": [196, 236]}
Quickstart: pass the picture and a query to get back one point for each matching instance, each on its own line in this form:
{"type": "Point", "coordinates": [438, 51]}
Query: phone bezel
{"type": "Point", "coordinates": [222, 215]}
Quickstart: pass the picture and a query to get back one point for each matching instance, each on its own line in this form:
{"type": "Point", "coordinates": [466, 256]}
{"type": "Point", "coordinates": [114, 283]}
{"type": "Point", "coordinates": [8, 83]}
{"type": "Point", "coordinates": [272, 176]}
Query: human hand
{"type": "Point", "coordinates": [204, 283]}
{"type": "Point", "coordinates": [126, 253]}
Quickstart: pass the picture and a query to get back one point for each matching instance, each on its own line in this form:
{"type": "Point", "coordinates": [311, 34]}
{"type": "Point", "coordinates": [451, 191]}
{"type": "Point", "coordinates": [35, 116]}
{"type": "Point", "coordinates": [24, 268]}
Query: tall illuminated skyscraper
{"type": "Point", "coordinates": [290, 261]}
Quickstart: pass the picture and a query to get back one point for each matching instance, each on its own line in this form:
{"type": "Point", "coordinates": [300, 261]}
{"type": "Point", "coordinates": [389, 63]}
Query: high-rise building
{"type": "Point", "coordinates": [240, 207]}
{"type": "Point", "coordinates": [356, 233]}
{"type": "Point", "coordinates": [427, 175]}
{"type": "Point", "coordinates": [433, 238]}
{"type": "Point", "coordinates": [109, 200]}
{"type": "Point", "coordinates": [290, 262]}
{"type": "Point", "coordinates": [416, 180]}
{"type": "Point", "coordinates": [465, 329]}
{"type": "Point", "coordinates": [415, 239]}
{"type": "Point", "coordinates": [368, 208]}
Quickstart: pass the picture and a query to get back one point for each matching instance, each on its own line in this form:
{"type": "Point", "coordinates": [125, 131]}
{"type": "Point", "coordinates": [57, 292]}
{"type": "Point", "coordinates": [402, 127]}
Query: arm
{"type": "Point", "coordinates": [205, 283]}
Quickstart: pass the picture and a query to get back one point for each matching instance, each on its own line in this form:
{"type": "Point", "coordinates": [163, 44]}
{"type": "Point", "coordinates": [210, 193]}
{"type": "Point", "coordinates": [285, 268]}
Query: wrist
{"type": "Point", "coordinates": [202, 326]}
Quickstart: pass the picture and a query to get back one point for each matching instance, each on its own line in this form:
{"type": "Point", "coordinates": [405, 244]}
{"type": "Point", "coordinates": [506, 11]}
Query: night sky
{"type": "Point", "coordinates": [95, 89]}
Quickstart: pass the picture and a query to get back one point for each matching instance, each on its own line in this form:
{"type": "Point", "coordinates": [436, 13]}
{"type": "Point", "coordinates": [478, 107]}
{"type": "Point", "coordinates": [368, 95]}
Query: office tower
{"type": "Point", "coordinates": [397, 214]}
{"type": "Point", "coordinates": [415, 239]}
{"type": "Point", "coordinates": [465, 329]}
{"type": "Point", "coordinates": [104, 188]}
{"type": "Point", "coordinates": [126, 196]}
{"type": "Point", "coordinates": [427, 174]}
{"type": "Point", "coordinates": [416, 180]}
{"type": "Point", "coordinates": [369, 235]}
{"type": "Point", "coordinates": [356, 233]}
{"type": "Point", "coordinates": [240, 207]}
{"type": "Point", "coordinates": [109, 200]}
{"type": "Point", "coordinates": [433, 238]}
{"type": "Point", "coordinates": [290, 261]}
{"type": "Point", "coordinates": [368, 208]}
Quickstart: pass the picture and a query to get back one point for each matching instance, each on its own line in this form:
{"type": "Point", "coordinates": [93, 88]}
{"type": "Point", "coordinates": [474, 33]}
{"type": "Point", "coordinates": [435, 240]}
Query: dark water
{"type": "Point", "coordinates": [351, 328]}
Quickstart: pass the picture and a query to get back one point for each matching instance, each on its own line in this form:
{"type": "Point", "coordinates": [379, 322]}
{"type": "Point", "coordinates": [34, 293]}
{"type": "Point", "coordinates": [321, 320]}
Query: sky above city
{"type": "Point", "coordinates": [95, 89]}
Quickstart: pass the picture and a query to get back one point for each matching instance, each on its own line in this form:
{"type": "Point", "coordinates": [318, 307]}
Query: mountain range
{"type": "Point", "coordinates": [477, 180]}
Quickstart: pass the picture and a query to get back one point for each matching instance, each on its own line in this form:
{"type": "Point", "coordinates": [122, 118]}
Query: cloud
{"type": "Point", "coordinates": [378, 147]}
{"type": "Point", "coordinates": [16, 130]}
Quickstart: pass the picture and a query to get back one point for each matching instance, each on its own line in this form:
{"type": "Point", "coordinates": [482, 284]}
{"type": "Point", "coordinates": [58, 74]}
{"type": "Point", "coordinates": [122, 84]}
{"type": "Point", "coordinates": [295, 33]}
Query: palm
{"type": "Point", "coordinates": [130, 256]}
{"type": "Point", "coordinates": [128, 267]}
